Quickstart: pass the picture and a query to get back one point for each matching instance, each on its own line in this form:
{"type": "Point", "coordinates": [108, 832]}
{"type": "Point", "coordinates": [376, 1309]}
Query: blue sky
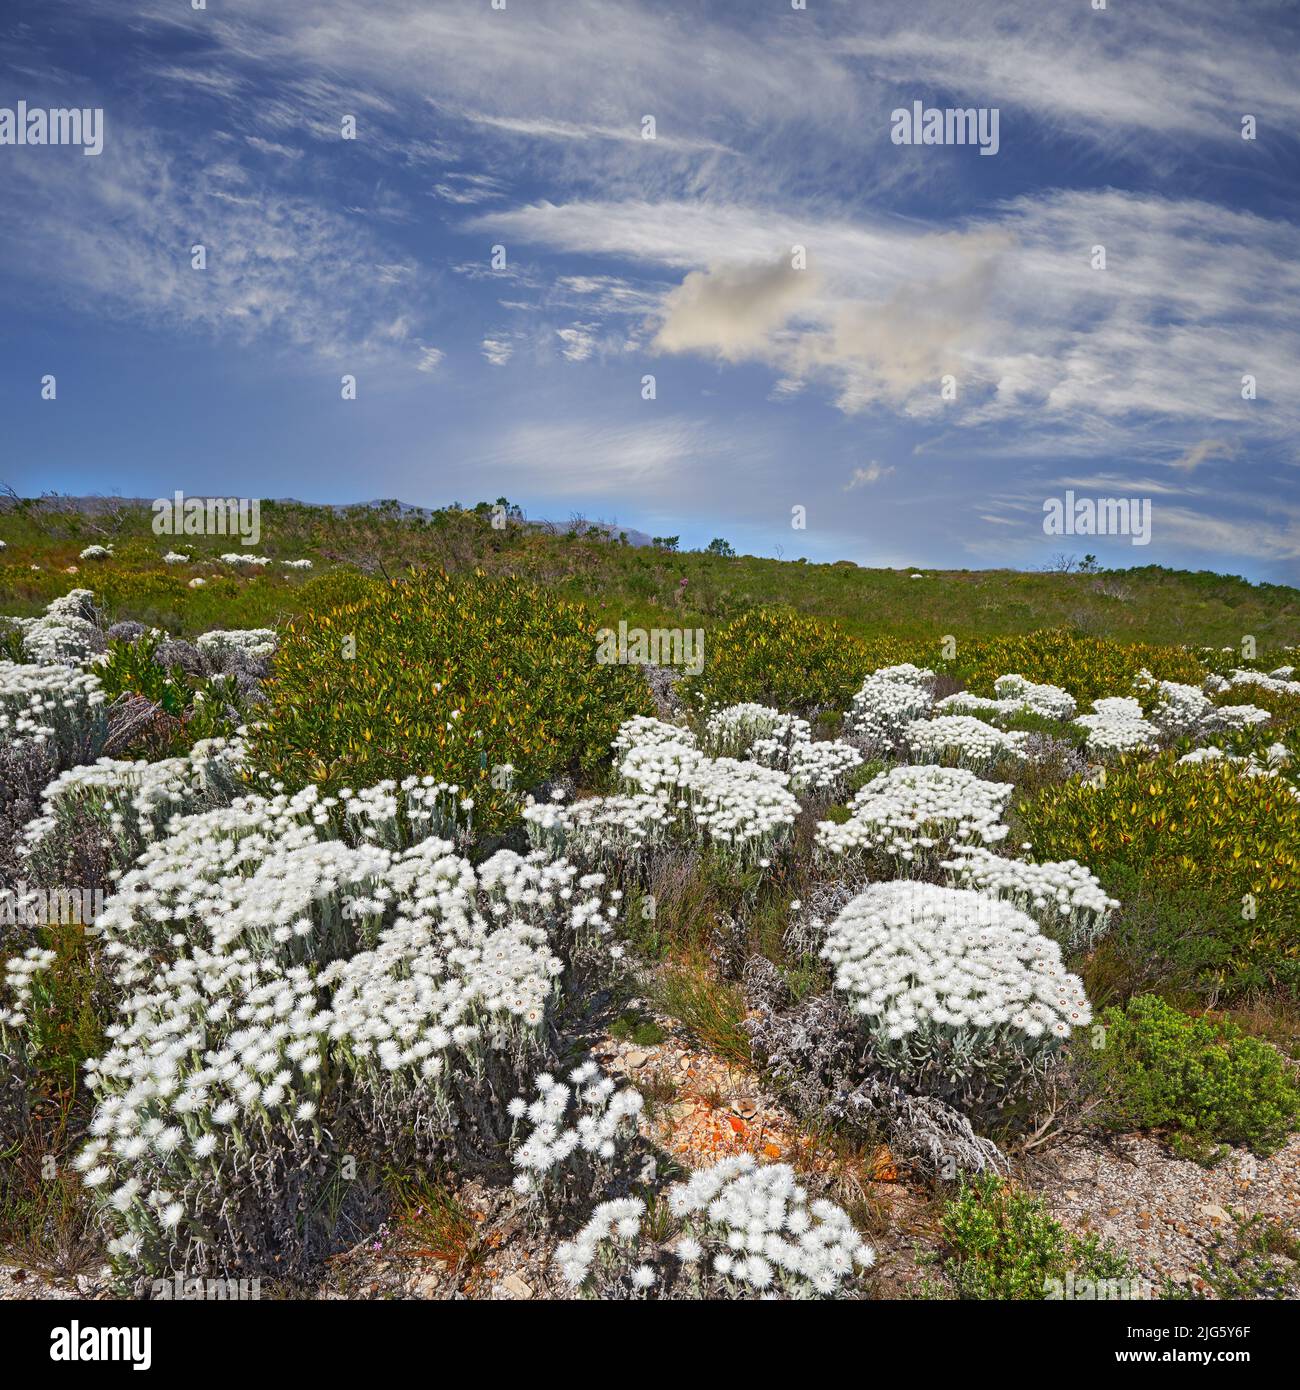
{"type": "Point", "coordinates": [775, 388]}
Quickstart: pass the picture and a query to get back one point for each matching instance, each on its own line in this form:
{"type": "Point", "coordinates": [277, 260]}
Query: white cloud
{"type": "Point", "coordinates": [1007, 304]}
{"type": "Point", "coordinates": [498, 351]}
{"type": "Point", "coordinates": [430, 357]}
{"type": "Point", "coordinates": [271, 147]}
{"type": "Point", "coordinates": [863, 477]}
{"type": "Point", "coordinates": [280, 266]}
{"type": "Point", "coordinates": [578, 341]}
{"type": "Point", "coordinates": [1203, 450]}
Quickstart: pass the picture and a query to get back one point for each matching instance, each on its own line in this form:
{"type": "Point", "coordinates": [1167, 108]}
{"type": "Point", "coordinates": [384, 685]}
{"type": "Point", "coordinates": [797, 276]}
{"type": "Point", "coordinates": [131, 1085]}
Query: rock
{"type": "Point", "coordinates": [746, 1106]}
{"type": "Point", "coordinates": [512, 1286]}
{"type": "Point", "coordinates": [1214, 1213]}
{"type": "Point", "coordinates": [636, 1059]}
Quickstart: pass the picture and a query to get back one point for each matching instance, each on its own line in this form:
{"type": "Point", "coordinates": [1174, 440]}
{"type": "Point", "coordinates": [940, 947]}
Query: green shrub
{"type": "Point", "coordinates": [780, 658]}
{"type": "Point", "coordinates": [1203, 1080]}
{"type": "Point", "coordinates": [198, 707]}
{"type": "Point", "coordinates": [1205, 827]}
{"type": "Point", "coordinates": [1168, 938]}
{"type": "Point", "coordinates": [1088, 667]}
{"type": "Point", "coordinates": [453, 680]}
{"type": "Point", "coordinates": [1005, 1244]}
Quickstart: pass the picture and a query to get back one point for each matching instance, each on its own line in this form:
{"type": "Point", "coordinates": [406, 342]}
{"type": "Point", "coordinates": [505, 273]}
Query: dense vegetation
{"type": "Point", "coordinates": [387, 847]}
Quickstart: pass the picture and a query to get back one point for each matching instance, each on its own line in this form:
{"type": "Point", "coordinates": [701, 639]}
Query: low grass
{"type": "Point", "coordinates": [712, 1009]}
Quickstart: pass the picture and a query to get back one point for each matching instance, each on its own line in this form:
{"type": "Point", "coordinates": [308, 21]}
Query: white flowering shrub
{"type": "Point", "coordinates": [175, 557]}
{"type": "Point", "coordinates": [1277, 682]}
{"type": "Point", "coordinates": [21, 973]}
{"type": "Point", "coordinates": [285, 999]}
{"type": "Point", "coordinates": [1270, 763]}
{"type": "Point", "coordinates": [253, 641]}
{"type": "Point", "coordinates": [1065, 898]}
{"type": "Point", "coordinates": [123, 805]}
{"type": "Point", "coordinates": [296, 564]}
{"type": "Point", "coordinates": [22, 997]}
{"type": "Point", "coordinates": [1233, 718]}
{"type": "Point", "coordinates": [781, 741]}
{"type": "Point", "coordinates": [243, 558]}
{"type": "Point", "coordinates": [959, 994]}
{"type": "Point", "coordinates": [602, 829]}
{"type": "Point", "coordinates": [964, 740]}
{"type": "Point", "coordinates": [96, 552]}
{"type": "Point", "coordinates": [675, 793]}
{"type": "Point", "coordinates": [732, 730]}
{"type": "Point", "coordinates": [54, 705]}
{"type": "Point", "coordinates": [909, 817]}
{"type": "Point", "coordinates": [890, 699]}
{"type": "Point", "coordinates": [1013, 695]}
{"type": "Point", "coordinates": [643, 730]}
{"type": "Point", "coordinates": [738, 1230]}
{"type": "Point", "coordinates": [578, 1132]}
{"type": "Point", "coordinates": [1117, 725]}
{"type": "Point", "coordinates": [68, 632]}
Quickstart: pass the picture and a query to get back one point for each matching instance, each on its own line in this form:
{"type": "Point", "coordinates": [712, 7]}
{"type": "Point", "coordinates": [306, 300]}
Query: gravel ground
{"type": "Point", "coordinates": [1166, 1212]}
{"type": "Point", "coordinates": [17, 1285]}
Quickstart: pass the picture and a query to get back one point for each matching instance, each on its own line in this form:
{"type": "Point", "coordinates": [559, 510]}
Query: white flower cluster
{"type": "Point", "coordinates": [1014, 695]}
{"type": "Point", "coordinates": [603, 1115]}
{"type": "Point", "coordinates": [265, 974]}
{"type": "Point", "coordinates": [1117, 725]}
{"type": "Point", "coordinates": [741, 806]}
{"type": "Point", "coordinates": [1279, 681]}
{"type": "Point", "coordinates": [771, 1233]}
{"type": "Point", "coordinates": [970, 742]}
{"type": "Point", "coordinates": [1276, 757]}
{"type": "Point", "coordinates": [1235, 717]}
{"type": "Point", "coordinates": [1064, 897]}
{"type": "Point", "coordinates": [613, 828]}
{"type": "Point", "coordinates": [296, 564]}
{"type": "Point", "coordinates": [733, 730]}
{"type": "Point", "coordinates": [251, 641]}
{"type": "Point", "coordinates": [53, 704]}
{"type": "Point", "coordinates": [133, 801]}
{"type": "Point", "coordinates": [616, 1220]}
{"type": "Point", "coordinates": [242, 557]}
{"type": "Point", "coordinates": [745, 1229]}
{"type": "Point", "coordinates": [174, 557]}
{"type": "Point", "coordinates": [915, 814]}
{"type": "Point", "coordinates": [782, 741]}
{"type": "Point", "coordinates": [919, 959]}
{"type": "Point", "coordinates": [644, 731]}
{"type": "Point", "coordinates": [1184, 710]}
{"type": "Point", "coordinates": [20, 980]}
{"type": "Point", "coordinates": [96, 552]}
{"type": "Point", "coordinates": [67, 633]}
{"type": "Point", "coordinates": [674, 789]}
{"type": "Point", "coordinates": [890, 699]}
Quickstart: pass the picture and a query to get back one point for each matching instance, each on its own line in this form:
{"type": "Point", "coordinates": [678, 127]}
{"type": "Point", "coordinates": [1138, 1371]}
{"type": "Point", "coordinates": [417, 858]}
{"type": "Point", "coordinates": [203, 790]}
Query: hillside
{"type": "Point", "coordinates": [641, 585]}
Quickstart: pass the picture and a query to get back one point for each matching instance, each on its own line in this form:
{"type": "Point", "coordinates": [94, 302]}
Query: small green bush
{"type": "Point", "coordinates": [1203, 1080]}
{"type": "Point", "coordinates": [1005, 1244]}
{"type": "Point", "coordinates": [633, 1028]}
